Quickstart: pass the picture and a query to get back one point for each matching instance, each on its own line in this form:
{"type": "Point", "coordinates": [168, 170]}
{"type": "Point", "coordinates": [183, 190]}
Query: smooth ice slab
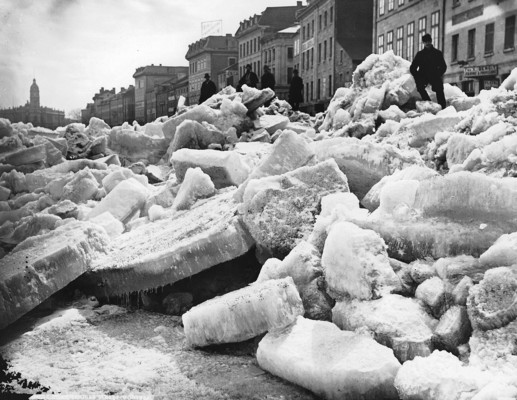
{"type": "Point", "coordinates": [44, 264]}
{"type": "Point", "coordinates": [244, 313]}
{"type": "Point", "coordinates": [332, 363]}
{"type": "Point", "coordinates": [177, 246]}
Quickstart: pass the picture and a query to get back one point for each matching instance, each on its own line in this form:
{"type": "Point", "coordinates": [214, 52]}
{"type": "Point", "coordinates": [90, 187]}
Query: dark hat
{"type": "Point", "coordinates": [427, 38]}
{"type": "Point", "coordinates": [248, 66]}
{"type": "Point", "coordinates": [207, 76]}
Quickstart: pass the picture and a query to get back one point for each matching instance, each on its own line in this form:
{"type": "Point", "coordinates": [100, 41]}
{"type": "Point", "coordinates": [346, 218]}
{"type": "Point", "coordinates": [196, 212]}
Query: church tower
{"type": "Point", "coordinates": [34, 102]}
{"type": "Point", "coordinates": [34, 106]}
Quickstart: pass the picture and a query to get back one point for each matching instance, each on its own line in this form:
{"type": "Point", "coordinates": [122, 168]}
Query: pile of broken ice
{"type": "Point", "coordinates": [387, 229]}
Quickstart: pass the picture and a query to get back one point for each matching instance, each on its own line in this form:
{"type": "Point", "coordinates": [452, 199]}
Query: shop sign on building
{"type": "Point", "coordinates": [490, 83]}
{"type": "Point", "coordinates": [481, 70]}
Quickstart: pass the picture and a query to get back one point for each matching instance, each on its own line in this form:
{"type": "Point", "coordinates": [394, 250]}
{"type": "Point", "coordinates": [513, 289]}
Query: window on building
{"type": "Point", "coordinates": [319, 52]}
{"type": "Point", "coordinates": [489, 38]}
{"type": "Point", "coordinates": [509, 33]}
{"type": "Point", "coordinates": [325, 19]}
{"type": "Point", "coordinates": [331, 15]}
{"type": "Point", "coordinates": [330, 48]}
{"type": "Point", "coordinates": [247, 48]}
{"type": "Point", "coordinates": [318, 90]}
{"type": "Point", "coordinates": [290, 53]}
{"type": "Point", "coordinates": [307, 91]}
{"type": "Point", "coordinates": [401, 3]}
{"type": "Point", "coordinates": [308, 59]}
{"type": "Point", "coordinates": [274, 51]}
{"type": "Point", "coordinates": [435, 28]}
{"type": "Point", "coordinates": [380, 46]}
{"type": "Point", "coordinates": [255, 45]}
{"type": "Point", "coordinates": [312, 27]}
{"type": "Point", "coordinates": [312, 57]}
{"type": "Point", "coordinates": [303, 60]}
{"type": "Point", "coordinates": [389, 41]}
{"type": "Point", "coordinates": [410, 41]}
{"type": "Point", "coordinates": [471, 44]}
{"type": "Point", "coordinates": [312, 90]}
{"type": "Point", "coordinates": [422, 27]}
{"type": "Point", "coordinates": [400, 41]}
{"type": "Point", "coordinates": [319, 21]}
{"type": "Point", "coordinates": [390, 5]}
{"type": "Point", "coordinates": [381, 7]}
{"type": "Point", "coordinates": [269, 56]}
{"type": "Point", "coordinates": [330, 86]}
{"type": "Point", "coordinates": [341, 56]}
{"type": "Point", "coordinates": [324, 50]}
{"type": "Point", "coordinates": [454, 47]}
{"type": "Point", "coordinates": [303, 33]}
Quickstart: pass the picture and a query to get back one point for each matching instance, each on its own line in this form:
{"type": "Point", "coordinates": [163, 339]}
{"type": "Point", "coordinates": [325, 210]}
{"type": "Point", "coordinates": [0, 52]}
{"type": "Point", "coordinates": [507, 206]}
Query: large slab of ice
{"type": "Point", "coordinates": [177, 246]}
{"type": "Point", "coordinates": [364, 163]}
{"type": "Point", "coordinates": [195, 135]}
{"type": "Point", "coordinates": [196, 185]}
{"type": "Point", "coordinates": [356, 263]}
{"type": "Point", "coordinates": [281, 210]}
{"type": "Point", "coordinates": [42, 265]}
{"type": "Point", "coordinates": [398, 322]}
{"type": "Point", "coordinates": [135, 145]}
{"type": "Point", "coordinates": [332, 363]}
{"type": "Point", "coordinates": [244, 313]}
{"type": "Point", "coordinates": [225, 168]}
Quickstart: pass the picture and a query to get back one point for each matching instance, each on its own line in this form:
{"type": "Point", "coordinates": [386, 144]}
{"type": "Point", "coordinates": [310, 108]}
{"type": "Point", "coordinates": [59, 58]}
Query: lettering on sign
{"type": "Point", "coordinates": [481, 70]}
{"type": "Point", "coordinates": [490, 83]}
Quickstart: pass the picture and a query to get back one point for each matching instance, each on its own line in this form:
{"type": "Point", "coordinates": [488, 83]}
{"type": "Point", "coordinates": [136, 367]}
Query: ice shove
{"type": "Point", "coordinates": [225, 168]}
{"type": "Point", "coordinates": [364, 163]}
{"type": "Point", "coordinates": [356, 263]}
{"type": "Point", "coordinates": [244, 313]}
{"type": "Point", "coordinates": [398, 322]}
{"type": "Point", "coordinates": [332, 363]}
{"type": "Point", "coordinates": [123, 201]}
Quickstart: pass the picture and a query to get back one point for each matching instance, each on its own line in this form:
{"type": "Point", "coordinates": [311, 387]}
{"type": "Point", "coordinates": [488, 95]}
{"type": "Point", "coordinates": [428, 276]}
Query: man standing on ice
{"type": "Point", "coordinates": [428, 67]}
{"type": "Point", "coordinates": [208, 89]}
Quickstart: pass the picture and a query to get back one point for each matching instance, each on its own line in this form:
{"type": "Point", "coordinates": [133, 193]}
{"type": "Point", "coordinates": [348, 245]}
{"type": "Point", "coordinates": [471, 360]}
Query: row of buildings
{"type": "Point", "coordinates": [326, 40]}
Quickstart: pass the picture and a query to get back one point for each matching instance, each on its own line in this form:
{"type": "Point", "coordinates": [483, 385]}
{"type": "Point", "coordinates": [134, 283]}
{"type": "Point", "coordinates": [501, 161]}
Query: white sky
{"type": "Point", "coordinates": [73, 47]}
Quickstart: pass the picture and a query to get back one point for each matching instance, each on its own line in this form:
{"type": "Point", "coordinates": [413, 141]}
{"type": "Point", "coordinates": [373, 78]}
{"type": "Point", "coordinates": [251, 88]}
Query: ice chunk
{"type": "Point", "coordinates": [198, 113]}
{"type": "Point", "coordinates": [135, 145]}
{"type": "Point", "coordinates": [303, 264]}
{"type": "Point", "coordinates": [503, 253]}
{"type": "Point", "coordinates": [425, 127]}
{"type": "Point", "coordinates": [118, 175]}
{"type": "Point", "coordinates": [460, 292]}
{"type": "Point", "coordinates": [356, 263]}
{"type": "Point", "coordinates": [123, 201]}
{"type": "Point", "coordinates": [364, 163]}
{"type": "Point", "coordinates": [196, 185]}
{"type": "Point", "coordinates": [195, 135]}
{"type": "Point", "coordinates": [244, 313]}
{"type": "Point", "coordinates": [453, 329]}
{"type": "Point", "coordinates": [510, 83]}
{"type": "Point", "coordinates": [274, 122]}
{"type": "Point", "coordinates": [433, 293]}
{"type": "Point", "coordinates": [397, 322]}
{"type": "Point", "coordinates": [440, 376]}
{"type": "Point", "coordinates": [281, 210]}
{"type": "Point", "coordinates": [225, 168]}
{"type": "Point", "coordinates": [453, 269]}
{"type": "Point", "coordinates": [493, 302]}
{"type": "Point", "coordinates": [112, 225]}
{"type": "Point", "coordinates": [81, 188]}
{"type": "Point", "coordinates": [154, 129]}
{"type": "Point", "coordinates": [459, 147]}
{"type": "Point", "coordinates": [329, 362]}
{"type": "Point", "coordinates": [156, 212]}
{"type": "Point", "coordinates": [289, 152]}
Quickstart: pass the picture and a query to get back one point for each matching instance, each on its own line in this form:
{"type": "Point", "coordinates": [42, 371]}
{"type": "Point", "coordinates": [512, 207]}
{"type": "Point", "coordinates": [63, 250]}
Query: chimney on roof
{"type": "Point", "coordinates": [298, 4]}
{"type": "Point", "coordinates": [102, 89]}
{"type": "Point", "coordinates": [160, 65]}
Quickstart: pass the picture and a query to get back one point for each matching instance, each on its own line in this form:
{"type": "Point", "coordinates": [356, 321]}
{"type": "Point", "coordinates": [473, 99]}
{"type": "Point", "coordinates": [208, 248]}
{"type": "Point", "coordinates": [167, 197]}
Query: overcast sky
{"type": "Point", "coordinates": [73, 47]}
